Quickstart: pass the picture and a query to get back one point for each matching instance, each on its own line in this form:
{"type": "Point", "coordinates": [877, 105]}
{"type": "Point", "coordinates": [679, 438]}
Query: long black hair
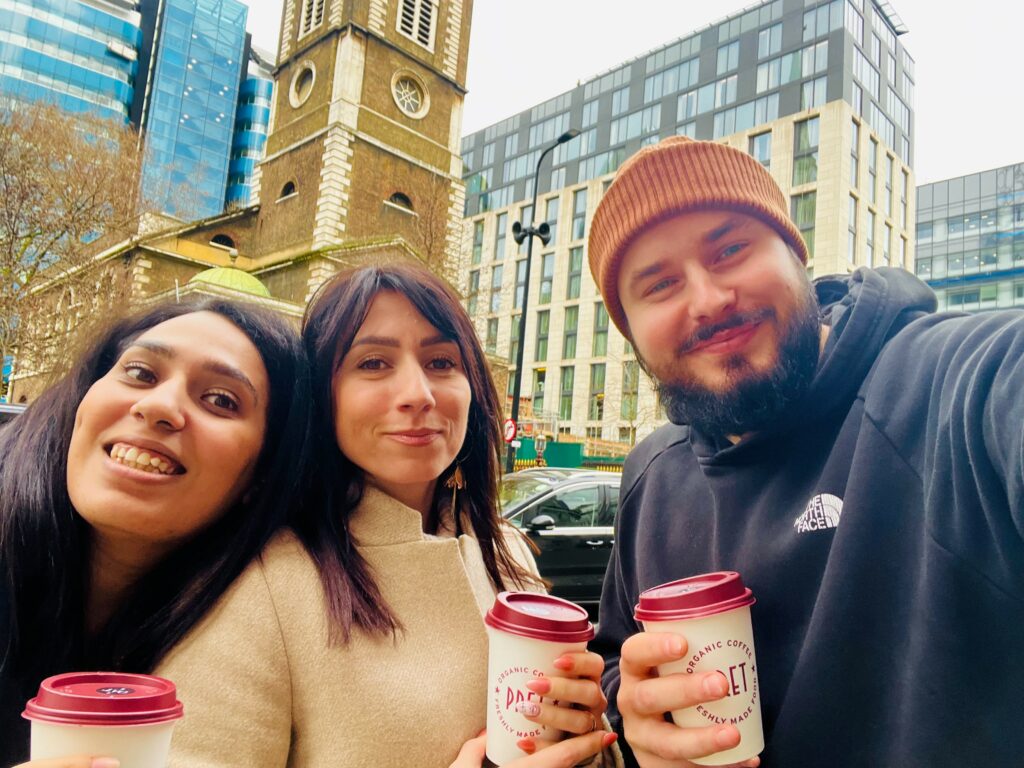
{"type": "Point", "coordinates": [332, 320]}
{"type": "Point", "coordinates": [45, 544]}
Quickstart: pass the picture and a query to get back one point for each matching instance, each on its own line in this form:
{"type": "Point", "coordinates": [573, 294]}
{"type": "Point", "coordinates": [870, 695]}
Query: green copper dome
{"type": "Point", "coordinates": [235, 279]}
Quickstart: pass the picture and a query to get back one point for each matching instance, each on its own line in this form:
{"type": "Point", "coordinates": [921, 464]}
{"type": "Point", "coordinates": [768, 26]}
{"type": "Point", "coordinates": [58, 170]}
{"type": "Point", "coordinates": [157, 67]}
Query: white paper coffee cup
{"type": "Point", "coordinates": [712, 612]}
{"type": "Point", "coordinates": [528, 631]}
{"type": "Point", "coordinates": [106, 714]}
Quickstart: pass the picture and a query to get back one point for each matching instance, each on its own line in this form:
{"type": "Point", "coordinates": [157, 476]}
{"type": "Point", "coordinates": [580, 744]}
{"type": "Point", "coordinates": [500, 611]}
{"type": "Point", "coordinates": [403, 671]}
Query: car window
{"type": "Point", "coordinates": [611, 506]}
{"type": "Point", "coordinates": [574, 508]}
{"type": "Point", "coordinates": [516, 489]}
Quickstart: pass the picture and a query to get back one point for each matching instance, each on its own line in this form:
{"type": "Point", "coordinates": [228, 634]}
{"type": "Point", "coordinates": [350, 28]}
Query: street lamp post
{"type": "Point", "coordinates": [520, 233]}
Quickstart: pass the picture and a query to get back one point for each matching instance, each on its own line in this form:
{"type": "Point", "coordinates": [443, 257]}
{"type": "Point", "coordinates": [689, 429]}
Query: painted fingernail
{"type": "Point", "coordinates": [105, 762]}
{"type": "Point", "coordinates": [726, 736]}
{"type": "Point", "coordinates": [528, 708]}
{"type": "Point", "coordinates": [608, 739]}
{"type": "Point", "coordinates": [539, 685]}
{"type": "Point", "coordinates": [715, 684]}
{"type": "Point", "coordinates": [564, 663]}
{"type": "Point", "coordinates": [527, 745]}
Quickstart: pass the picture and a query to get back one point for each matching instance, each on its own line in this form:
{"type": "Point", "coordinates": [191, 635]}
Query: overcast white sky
{"type": "Point", "coordinates": [969, 104]}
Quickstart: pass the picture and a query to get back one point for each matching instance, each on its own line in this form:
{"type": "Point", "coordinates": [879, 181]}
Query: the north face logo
{"type": "Point", "coordinates": [823, 511]}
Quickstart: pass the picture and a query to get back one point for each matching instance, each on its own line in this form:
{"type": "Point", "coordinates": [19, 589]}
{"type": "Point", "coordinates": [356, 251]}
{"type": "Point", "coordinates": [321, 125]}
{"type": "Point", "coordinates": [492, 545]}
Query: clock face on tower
{"type": "Point", "coordinates": [410, 94]}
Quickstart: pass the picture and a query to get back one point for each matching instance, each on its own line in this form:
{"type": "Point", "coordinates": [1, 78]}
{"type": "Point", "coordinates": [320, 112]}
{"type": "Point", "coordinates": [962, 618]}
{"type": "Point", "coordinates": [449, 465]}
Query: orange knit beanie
{"type": "Point", "coordinates": [679, 175]}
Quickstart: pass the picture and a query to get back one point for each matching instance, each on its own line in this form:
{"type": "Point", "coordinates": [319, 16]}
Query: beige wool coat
{"type": "Point", "coordinates": [262, 688]}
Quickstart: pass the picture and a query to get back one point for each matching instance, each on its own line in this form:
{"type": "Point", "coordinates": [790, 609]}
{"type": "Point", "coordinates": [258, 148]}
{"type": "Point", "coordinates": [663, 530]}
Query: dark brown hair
{"type": "Point", "coordinates": [332, 320]}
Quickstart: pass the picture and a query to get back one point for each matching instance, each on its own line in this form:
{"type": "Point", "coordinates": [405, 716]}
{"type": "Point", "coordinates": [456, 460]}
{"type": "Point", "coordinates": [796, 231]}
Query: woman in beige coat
{"type": "Point", "coordinates": [359, 638]}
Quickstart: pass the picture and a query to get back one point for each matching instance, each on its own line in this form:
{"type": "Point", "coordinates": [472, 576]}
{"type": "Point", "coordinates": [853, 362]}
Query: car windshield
{"type": "Point", "coordinates": [515, 489]}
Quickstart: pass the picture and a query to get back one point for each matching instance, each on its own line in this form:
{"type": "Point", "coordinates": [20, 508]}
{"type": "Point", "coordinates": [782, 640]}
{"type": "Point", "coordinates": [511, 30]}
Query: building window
{"type": "Point", "coordinates": [728, 57]}
{"type": "Point", "coordinates": [287, 190]}
{"type": "Point", "coordinates": [595, 406]}
{"type": "Point", "coordinates": [589, 114]}
{"type": "Point", "coordinates": [575, 272]}
{"type": "Point", "coordinates": [491, 342]}
{"type": "Point", "coordinates": [565, 393]}
{"type": "Point", "coordinates": [887, 245]}
{"type": "Point", "coordinates": [858, 100]}
{"type": "Point", "coordinates": [478, 241]}
{"type": "Point", "coordinates": [761, 148]}
{"type": "Point", "coordinates": [630, 389]}
{"type": "Point", "coordinates": [417, 20]}
{"type": "Point", "coordinates": [876, 50]}
{"type": "Point", "coordinates": [312, 16]}
{"type": "Point", "coordinates": [903, 252]}
{"type": "Point", "coordinates": [769, 41]}
{"type": "Point", "coordinates": [496, 277]}
{"type": "Point", "coordinates": [520, 283]}
{"type": "Point", "coordinates": [595, 433]}
{"type": "Point", "coordinates": [410, 94]}
{"type": "Point", "coordinates": [224, 241]}
{"type": "Point", "coordinates": [547, 277]}
{"type": "Point", "coordinates": [872, 170]}
{"type": "Point", "coordinates": [887, 200]}
{"type": "Point", "coordinates": [851, 236]}
{"type": "Point", "coordinates": [551, 217]}
{"type": "Point", "coordinates": [854, 153]}
{"type": "Point", "coordinates": [869, 248]}
{"type": "Point", "coordinates": [571, 329]}
{"type": "Point", "coordinates": [543, 329]}
{"type": "Point", "coordinates": [904, 183]}
{"type": "Point", "coordinates": [539, 377]}
{"type": "Point", "coordinates": [513, 347]}
{"type": "Point", "coordinates": [499, 236]}
{"type": "Point", "coordinates": [525, 220]}
{"type": "Point", "coordinates": [473, 292]}
{"type": "Point", "coordinates": [579, 213]}
{"type": "Point", "coordinates": [805, 152]}
{"type": "Point", "coordinates": [511, 145]}
{"type": "Point", "coordinates": [620, 101]}
{"type": "Point", "coordinates": [812, 93]}
{"type": "Point", "coordinates": [401, 200]}
{"type": "Point", "coordinates": [804, 210]}
{"type": "Point", "coordinates": [600, 346]}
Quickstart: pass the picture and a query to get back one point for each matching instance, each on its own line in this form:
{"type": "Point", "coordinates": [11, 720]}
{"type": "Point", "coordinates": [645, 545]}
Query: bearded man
{"type": "Point", "coordinates": [855, 456]}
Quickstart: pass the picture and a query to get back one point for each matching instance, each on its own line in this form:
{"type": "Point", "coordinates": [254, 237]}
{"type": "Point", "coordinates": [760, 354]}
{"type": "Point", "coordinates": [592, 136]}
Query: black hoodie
{"type": "Point", "coordinates": [880, 527]}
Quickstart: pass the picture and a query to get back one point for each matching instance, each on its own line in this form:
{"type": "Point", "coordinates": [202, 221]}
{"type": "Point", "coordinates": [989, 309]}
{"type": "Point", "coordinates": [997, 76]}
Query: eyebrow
{"type": "Point", "coordinates": [390, 341]}
{"type": "Point", "coordinates": [722, 230]}
{"type": "Point", "coordinates": [214, 366]}
{"type": "Point", "coordinates": [648, 271]}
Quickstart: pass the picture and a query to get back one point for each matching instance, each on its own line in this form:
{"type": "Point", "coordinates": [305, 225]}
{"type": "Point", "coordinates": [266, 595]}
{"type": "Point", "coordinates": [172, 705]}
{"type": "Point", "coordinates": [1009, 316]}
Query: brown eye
{"type": "Point", "coordinates": [140, 373]}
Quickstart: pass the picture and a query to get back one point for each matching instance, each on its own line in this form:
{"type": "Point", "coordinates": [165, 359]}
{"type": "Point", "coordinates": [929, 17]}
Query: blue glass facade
{"type": "Point", "coordinates": [194, 89]}
{"type": "Point", "coordinates": [252, 123]}
{"type": "Point", "coordinates": [82, 57]}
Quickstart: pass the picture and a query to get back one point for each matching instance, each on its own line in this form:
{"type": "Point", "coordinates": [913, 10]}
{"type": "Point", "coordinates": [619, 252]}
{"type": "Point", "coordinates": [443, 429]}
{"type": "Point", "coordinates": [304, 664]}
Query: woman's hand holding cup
{"type": "Point", "coordinates": [562, 754]}
{"type": "Point", "coordinates": [580, 689]}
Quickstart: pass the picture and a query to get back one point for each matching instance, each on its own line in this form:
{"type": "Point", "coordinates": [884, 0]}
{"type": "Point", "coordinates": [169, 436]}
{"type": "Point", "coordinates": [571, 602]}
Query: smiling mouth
{"type": "Point", "coordinates": [144, 459]}
{"type": "Point", "coordinates": [727, 338]}
{"type": "Point", "coordinates": [415, 436]}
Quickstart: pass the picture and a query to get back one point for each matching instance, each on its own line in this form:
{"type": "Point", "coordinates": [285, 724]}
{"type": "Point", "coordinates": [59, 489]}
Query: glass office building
{"type": "Point", "coordinates": [252, 124]}
{"type": "Point", "coordinates": [970, 239]}
{"type": "Point", "coordinates": [82, 56]}
{"type": "Point", "coordinates": [188, 120]}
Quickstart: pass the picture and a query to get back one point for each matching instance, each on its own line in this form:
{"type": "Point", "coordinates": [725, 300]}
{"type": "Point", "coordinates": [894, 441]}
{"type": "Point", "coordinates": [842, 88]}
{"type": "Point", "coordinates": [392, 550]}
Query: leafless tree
{"type": "Point", "coordinates": [68, 185]}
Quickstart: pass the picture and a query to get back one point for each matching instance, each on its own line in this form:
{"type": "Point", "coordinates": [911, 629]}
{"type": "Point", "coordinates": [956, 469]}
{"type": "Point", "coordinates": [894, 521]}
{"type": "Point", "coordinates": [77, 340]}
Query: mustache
{"type": "Point", "coordinates": [742, 318]}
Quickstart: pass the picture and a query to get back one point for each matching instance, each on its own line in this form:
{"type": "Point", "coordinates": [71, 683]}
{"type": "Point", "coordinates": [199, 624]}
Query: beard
{"type": "Point", "coordinates": [750, 401]}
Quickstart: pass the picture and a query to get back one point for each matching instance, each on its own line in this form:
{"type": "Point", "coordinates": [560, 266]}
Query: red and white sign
{"type": "Point", "coordinates": [510, 430]}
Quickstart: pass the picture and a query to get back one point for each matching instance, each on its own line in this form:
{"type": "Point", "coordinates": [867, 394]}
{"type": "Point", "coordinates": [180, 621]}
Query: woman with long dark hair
{"type": "Point", "coordinates": [377, 654]}
{"type": "Point", "coordinates": [135, 490]}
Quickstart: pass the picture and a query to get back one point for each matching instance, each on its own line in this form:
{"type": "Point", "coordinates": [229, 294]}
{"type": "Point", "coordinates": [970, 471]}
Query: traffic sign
{"type": "Point", "coordinates": [510, 430]}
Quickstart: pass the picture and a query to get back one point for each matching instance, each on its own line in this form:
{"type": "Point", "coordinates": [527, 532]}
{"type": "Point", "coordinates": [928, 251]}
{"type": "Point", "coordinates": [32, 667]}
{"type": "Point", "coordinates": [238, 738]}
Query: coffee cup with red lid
{"type": "Point", "coordinates": [107, 714]}
{"type": "Point", "coordinates": [527, 632]}
{"type": "Point", "coordinates": [712, 612]}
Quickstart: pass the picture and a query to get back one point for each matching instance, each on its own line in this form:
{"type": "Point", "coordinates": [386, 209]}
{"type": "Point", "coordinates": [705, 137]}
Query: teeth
{"type": "Point", "coordinates": [141, 460]}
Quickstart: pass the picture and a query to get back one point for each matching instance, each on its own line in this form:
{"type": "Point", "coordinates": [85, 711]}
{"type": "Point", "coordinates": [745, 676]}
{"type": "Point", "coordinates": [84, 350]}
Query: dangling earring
{"type": "Point", "coordinates": [456, 481]}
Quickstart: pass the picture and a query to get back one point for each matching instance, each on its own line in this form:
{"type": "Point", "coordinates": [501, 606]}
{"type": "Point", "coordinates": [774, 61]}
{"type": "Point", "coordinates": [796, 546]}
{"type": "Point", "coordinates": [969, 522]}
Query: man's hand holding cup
{"type": "Point", "coordinates": [644, 698]}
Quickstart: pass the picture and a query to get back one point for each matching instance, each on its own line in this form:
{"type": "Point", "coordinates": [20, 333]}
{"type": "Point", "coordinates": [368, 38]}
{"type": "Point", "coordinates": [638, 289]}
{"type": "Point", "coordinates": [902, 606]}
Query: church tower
{"type": "Point", "coordinates": [363, 156]}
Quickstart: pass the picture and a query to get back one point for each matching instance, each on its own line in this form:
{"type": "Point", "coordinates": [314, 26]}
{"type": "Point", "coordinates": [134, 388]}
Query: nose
{"type": "Point", "coordinates": [414, 390]}
{"type": "Point", "coordinates": [709, 297]}
{"type": "Point", "coordinates": [161, 406]}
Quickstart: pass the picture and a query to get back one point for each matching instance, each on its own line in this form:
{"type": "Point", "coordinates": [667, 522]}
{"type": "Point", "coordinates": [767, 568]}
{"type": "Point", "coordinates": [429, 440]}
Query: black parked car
{"type": "Point", "coordinates": [568, 513]}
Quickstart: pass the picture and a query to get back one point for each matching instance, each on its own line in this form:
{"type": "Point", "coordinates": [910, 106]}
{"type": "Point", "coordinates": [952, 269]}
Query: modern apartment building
{"type": "Point", "coordinates": [820, 92]}
{"type": "Point", "coordinates": [970, 239]}
{"type": "Point", "coordinates": [80, 55]}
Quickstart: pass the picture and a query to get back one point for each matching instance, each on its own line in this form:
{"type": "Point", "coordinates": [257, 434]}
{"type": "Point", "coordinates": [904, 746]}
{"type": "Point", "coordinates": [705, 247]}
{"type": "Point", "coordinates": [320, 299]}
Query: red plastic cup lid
{"type": "Point", "coordinates": [541, 617]}
{"type": "Point", "coordinates": [104, 698]}
{"type": "Point", "coordinates": [694, 597]}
